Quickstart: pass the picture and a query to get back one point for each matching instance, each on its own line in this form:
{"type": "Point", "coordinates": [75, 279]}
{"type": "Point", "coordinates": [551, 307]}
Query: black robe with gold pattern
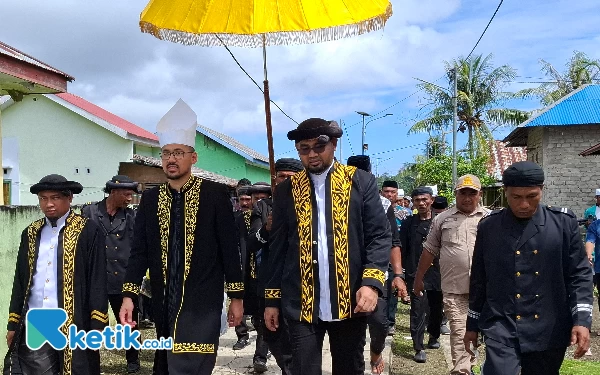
{"type": "Point", "coordinates": [81, 287]}
{"type": "Point", "coordinates": [210, 257]}
{"type": "Point", "coordinates": [358, 239]}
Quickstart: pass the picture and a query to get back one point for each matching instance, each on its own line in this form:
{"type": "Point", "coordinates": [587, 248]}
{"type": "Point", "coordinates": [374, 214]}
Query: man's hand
{"type": "Point", "coordinates": [126, 312]}
{"type": "Point", "coordinates": [236, 312]}
{"type": "Point", "coordinates": [399, 285]}
{"type": "Point", "coordinates": [580, 336]}
{"type": "Point", "coordinates": [10, 335]}
{"type": "Point", "coordinates": [418, 286]}
{"type": "Point", "coordinates": [366, 299]}
{"type": "Point", "coordinates": [272, 318]}
{"type": "Point", "coordinates": [269, 222]}
{"type": "Point", "coordinates": [470, 338]}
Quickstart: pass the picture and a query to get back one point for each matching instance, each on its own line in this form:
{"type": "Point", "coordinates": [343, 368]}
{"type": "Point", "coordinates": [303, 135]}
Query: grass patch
{"type": "Point", "coordinates": [578, 367]}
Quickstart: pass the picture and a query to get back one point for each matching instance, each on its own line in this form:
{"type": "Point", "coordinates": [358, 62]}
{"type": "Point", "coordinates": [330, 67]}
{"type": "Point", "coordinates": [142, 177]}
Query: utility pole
{"type": "Point", "coordinates": [454, 125]}
{"type": "Point", "coordinates": [362, 142]}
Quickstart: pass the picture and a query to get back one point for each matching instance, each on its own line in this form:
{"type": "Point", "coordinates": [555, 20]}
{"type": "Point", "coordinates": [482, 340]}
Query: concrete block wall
{"type": "Point", "coordinates": [571, 180]}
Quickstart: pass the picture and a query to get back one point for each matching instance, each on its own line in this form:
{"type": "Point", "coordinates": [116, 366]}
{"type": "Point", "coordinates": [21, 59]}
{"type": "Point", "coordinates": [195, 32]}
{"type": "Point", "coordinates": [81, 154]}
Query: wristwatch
{"type": "Point", "coordinates": [400, 275]}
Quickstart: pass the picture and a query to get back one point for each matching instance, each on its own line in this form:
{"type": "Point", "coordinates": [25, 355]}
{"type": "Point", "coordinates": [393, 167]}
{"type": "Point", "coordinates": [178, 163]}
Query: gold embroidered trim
{"type": "Point", "coordinates": [301, 192]}
{"type": "Point", "coordinates": [272, 293]}
{"type": "Point", "coordinates": [14, 320]}
{"type": "Point", "coordinates": [32, 232]}
{"type": "Point", "coordinates": [73, 227]}
{"type": "Point", "coordinates": [15, 315]}
{"type": "Point", "coordinates": [341, 185]}
{"type": "Point", "coordinates": [192, 203]}
{"type": "Point", "coordinates": [235, 287]}
{"type": "Point", "coordinates": [247, 215]}
{"type": "Point", "coordinates": [99, 318]}
{"type": "Point", "coordinates": [374, 274]}
{"type": "Point", "coordinates": [164, 220]}
{"type": "Point", "coordinates": [102, 315]}
{"type": "Point", "coordinates": [131, 287]}
{"type": "Point", "coordinates": [192, 347]}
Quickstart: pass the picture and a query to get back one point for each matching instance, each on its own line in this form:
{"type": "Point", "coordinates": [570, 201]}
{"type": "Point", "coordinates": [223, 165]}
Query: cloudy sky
{"type": "Point", "coordinates": [139, 77]}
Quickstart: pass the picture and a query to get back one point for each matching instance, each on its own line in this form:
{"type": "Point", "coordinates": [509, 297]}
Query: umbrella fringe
{"type": "Point", "coordinates": [274, 38]}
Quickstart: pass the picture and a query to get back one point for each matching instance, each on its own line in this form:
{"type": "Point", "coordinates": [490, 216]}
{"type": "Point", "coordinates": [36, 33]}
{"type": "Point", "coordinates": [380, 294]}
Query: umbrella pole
{"type": "Point", "coordinates": [268, 116]}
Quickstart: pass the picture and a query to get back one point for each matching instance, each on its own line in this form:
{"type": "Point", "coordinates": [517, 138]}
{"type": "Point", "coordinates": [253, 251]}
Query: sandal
{"type": "Point", "coordinates": [378, 366]}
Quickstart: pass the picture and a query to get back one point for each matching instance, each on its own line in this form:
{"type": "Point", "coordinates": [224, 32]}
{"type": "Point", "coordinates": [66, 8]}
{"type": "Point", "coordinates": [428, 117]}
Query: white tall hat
{"type": "Point", "coordinates": [597, 192]}
{"type": "Point", "coordinates": [178, 126]}
{"type": "Point", "coordinates": [400, 193]}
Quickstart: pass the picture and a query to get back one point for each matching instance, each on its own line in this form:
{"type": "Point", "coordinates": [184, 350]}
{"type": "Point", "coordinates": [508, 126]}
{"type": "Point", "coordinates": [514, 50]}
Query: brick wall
{"type": "Point", "coordinates": [571, 180]}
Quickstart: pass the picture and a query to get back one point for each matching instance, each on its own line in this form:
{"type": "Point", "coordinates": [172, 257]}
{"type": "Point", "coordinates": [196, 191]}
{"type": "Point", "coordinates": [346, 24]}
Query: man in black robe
{"type": "Point", "coordinates": [258, 243]}
{"type": "Point", "coordinates": [185, 233]}
{"type": "Point", "coordinates": [61, 264]}
{"type": "Point", "coordinates": [329, 244]}
{"type": "Point", "coordinates": [115, 218]}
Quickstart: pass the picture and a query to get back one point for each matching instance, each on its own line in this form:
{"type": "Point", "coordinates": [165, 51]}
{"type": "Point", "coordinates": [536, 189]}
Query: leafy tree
{"type": "Point", "coordinates": [480, 99]}
{"type": "Point", "coordinates": [580, 70]}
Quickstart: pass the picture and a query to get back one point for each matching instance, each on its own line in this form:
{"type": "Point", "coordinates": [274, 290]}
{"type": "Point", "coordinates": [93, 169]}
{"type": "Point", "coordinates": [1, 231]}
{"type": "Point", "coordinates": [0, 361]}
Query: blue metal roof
{"type": "Point", "coordinates": [581, 107]}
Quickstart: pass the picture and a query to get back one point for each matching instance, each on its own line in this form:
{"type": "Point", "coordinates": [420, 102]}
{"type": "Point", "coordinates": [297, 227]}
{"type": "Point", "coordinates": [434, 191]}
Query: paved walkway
{"type": "Point", "coordinates": [240, 361]}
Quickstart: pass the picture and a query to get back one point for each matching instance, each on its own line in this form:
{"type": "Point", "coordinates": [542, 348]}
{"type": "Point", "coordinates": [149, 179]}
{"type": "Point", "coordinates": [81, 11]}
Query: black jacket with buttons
{"type": "Point", "coordinates": [119, 237]}
{"type": "Point", "coordinates": [531, 281]}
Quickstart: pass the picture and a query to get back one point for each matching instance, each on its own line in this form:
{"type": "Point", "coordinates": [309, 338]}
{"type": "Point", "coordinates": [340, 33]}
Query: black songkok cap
{"type": "Point", "coordinates": [422, 190]}
{"type": "Point", "coordinates": [260, 187]}
{"type": "Point", "coordinates": [288, 164]}
{"type": "Point", "coordinates": [56, 182]}
{"type": "Point", "coordinates": [523, 173]}
{"type": "Point", "coordinates": [315, 128]}
{"type": "Point", "coordinates": [390, 183]}
{"type": "Point", "coordinates": [121, 182]}
{"type": "Point", "coordinates": [361, 162]}
{"type": "Point", "coordinates": [440, 203]}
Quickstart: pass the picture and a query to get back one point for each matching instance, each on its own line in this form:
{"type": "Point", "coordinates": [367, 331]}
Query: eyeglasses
{"type": "Point", "coordinates": [318, 148]}
{"type": "Point", "coordinates": [178, 155]}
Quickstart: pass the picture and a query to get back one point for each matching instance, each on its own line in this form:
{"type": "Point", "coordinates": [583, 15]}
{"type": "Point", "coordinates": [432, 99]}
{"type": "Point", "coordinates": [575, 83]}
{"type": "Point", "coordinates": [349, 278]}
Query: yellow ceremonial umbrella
{"type": "Point", "coordinates": [256, 23]}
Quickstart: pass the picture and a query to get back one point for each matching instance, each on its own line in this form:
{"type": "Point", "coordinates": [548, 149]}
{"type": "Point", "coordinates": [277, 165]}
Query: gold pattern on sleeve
{"type": "Point", "coordinates": [131, 288]}
{"type": "Point", "coordinates": [272, 293]}
{"type": "Point", "coordinates": [164, 221]}
{"type": "Point", "coordinates": [374, 274]}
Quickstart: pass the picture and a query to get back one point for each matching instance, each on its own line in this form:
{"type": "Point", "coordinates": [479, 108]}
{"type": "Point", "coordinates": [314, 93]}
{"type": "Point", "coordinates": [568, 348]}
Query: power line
{"type": "Point", "coordinates": [252, 79]}
{"type": "Point", "coordinates": [484, 30]}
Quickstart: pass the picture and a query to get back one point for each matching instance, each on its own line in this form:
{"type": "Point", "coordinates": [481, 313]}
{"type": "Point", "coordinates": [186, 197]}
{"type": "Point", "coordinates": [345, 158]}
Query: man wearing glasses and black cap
{"type": "Point", "coordinates": [329, 249]}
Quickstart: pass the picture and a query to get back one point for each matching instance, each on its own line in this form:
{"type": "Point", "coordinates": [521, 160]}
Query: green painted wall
{"type": "Point", "coordinates": [146, 151]}
{"type": "Point", "coordinates": [214, 157]}
{"type": "Point", "coordinates": [12, 222]}
{"type": "Point", "coordinates": [257, 174]}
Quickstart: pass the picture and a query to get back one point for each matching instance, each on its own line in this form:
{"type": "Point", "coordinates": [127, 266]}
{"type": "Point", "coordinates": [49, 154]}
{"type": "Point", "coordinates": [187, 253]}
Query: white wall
{"type": "Point", "coordinates": [10, 159]}
{"type": "Point", "coordinates": [53, 139]}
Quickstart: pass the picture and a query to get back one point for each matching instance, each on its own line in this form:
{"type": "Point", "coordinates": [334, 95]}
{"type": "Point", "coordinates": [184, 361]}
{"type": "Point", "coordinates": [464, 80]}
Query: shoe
{"type": "Point", "coordinates": [391, 331]}
{"type": "Point", "coordinates": [133, 367]}
{"type": "Point", "coordinates": [433, 344]}
{"type": "Point", "coordinates": [444, 330]}
{"type": "Point", "coordinates": [269, 355]}
{"type": "Point", "coordinates": [241, 344]}
{"type": "Point", "coordinates": [260, 366]}
{"type": "Point", "coordinates": [420, 357]}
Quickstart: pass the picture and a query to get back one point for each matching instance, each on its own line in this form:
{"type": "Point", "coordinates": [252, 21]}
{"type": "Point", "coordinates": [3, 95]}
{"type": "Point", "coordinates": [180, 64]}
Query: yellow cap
{"type": "Point", "coordinates": [468, 181]}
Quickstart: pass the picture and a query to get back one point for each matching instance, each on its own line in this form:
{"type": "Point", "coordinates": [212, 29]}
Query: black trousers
{"type": "Point", "coordinates": [504, 360]}
{"type": "Point", "coordinates": [425, 308]}
{"type": "Point", "coordinates": [115, 301]}
{"type": "Point", "coordinates": [378, 326]}
{"type": "Point", "coordinates": [279, 345]}
{"type": "Point", "coordinates": [262, 349]}
{"type": "Point", "coordinates": [145, 304]}
{"type": "Point", "coordinates": [392, 299]}
{"type": "Point", "coordinates": [346, 342]}
{"type": "Point", "coordinates": [241, 330]}
{"type": "Point", "coordinates": [44, 361]}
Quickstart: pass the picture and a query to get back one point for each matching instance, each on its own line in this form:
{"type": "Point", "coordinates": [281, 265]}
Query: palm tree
{"type": "Point", "coordinates": [581, 70]}
{"type": "Point", "coordinates": [480, 99]}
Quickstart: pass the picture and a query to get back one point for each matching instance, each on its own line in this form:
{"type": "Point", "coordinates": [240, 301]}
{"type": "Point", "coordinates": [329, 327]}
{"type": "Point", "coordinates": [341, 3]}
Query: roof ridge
{"type": "Point", "coordinates": [9, 47]}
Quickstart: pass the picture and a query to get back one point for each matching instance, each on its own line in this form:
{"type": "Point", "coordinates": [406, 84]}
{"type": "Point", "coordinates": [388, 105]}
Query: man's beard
{"type": "Point", "coordinates": [176, 175]}
{"type": "Point", "coordinates": [317, 170]}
